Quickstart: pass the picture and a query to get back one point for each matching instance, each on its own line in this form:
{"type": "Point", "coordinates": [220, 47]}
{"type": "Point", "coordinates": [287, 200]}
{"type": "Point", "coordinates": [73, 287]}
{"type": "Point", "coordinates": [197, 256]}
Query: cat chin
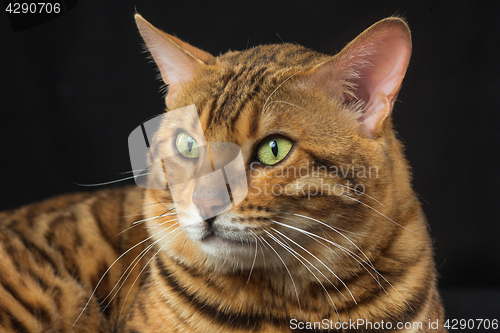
{"type": "Point", "coordinates": [226, 246]}
{"type": "Point", "coordinates": [230, 262]}
{"type": "Point", "coordinates": [220, 248]}
{"type": "Point", "coordinates": [215, 254]}
{"type": "Point", "coordinates": [229, 257]}
{"type": "Point", "coordinates": [220, 256]}
{"type": "Point", "coordinates": [216, 259]}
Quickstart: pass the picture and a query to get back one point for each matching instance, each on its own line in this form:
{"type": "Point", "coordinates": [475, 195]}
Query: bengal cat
{"type": "Point", "coordinates": [329, 236]}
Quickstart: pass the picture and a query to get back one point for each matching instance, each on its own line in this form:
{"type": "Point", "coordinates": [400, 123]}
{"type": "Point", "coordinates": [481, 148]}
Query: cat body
{"type": "Point", "coordinates": [330, 236]}
{"type": "Point", "coordinates": [54, 254]}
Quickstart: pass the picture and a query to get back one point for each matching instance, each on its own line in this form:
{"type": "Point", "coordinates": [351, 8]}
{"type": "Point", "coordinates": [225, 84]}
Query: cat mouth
{"type": "Point", "coordinates": [218, 235]}
{"type": "Point", "coordinates": [215, 238]}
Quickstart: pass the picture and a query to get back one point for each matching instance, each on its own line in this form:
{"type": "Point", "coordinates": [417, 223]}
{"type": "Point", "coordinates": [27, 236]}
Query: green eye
{"type": "Point", "coordinates": [273, 150]}
{"type": "Point", "coordinates": [186, 145]}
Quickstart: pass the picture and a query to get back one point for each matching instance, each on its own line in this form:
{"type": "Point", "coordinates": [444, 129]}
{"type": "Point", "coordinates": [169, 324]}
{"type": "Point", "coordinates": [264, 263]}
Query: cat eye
{"type": "Point", "coordinates": [272, 150]}
{"type": "Point", "coordinates": [186, 145]}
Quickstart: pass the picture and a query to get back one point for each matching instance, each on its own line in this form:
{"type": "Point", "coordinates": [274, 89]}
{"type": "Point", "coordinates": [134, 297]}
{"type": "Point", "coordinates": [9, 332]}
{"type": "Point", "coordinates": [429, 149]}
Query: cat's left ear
{"type": "Point", "coordinates": [370, 70]}
{"type": "Point", "coordinates": [177, 61]}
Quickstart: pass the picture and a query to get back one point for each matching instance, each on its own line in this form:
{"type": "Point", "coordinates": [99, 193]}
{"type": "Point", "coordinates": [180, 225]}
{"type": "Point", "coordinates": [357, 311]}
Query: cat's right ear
{"type": "Point", "coordinates": [177, 61]}
{"type": "Point", "coordinates": [368, 72]}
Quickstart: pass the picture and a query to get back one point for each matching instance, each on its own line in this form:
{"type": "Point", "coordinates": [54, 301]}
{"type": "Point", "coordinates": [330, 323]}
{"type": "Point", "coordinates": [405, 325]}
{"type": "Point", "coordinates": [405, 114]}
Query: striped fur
{"type": "Point", "coordinates": [55, 252]}
{"type": "Point", "coordinates": [300, 257]}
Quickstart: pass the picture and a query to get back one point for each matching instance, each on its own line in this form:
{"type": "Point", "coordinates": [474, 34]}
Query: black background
{"type": "Point", "coordinates": [74, 88]}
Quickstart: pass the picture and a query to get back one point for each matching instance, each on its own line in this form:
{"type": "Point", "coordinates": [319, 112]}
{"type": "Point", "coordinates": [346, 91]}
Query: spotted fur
{"type": "Point", "coordinates": [270, 261]}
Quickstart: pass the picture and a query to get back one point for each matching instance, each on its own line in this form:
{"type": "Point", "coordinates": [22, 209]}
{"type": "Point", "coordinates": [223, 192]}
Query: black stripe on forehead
{"type": "Point", "coordinates": [222, 109]}
{"type": "Point", "coordinates": [254, 126]}
{"type": "Point", "coordinates": [255, 81]}
{"type": "Point", "coordinates": [238, 88]}
{"type": "Point", "coordinates": [276, 56]}
{"type": "Point", "coordinates": [248, 75]}
{"type": "Point", "coordinates": [213, 97]}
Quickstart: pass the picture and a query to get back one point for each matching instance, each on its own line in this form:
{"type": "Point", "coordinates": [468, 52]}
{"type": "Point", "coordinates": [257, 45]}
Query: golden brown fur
{"type": "Point", "coordinates": [54, 253]}
{"type": "Point", "coordinates": [371, 257]}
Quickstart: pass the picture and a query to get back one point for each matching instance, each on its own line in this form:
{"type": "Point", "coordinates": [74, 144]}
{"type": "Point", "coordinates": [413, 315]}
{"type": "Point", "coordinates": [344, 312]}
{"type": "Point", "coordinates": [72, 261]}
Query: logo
{"type": "Point", "coordinates": [25, 15]}
{"type": "Point", "coordinates": [170, 150]}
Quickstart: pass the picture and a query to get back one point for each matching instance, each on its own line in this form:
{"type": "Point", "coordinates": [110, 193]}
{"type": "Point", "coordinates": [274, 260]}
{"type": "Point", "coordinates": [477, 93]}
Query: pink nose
{"type": "Point", "coordinates": [208, 206]}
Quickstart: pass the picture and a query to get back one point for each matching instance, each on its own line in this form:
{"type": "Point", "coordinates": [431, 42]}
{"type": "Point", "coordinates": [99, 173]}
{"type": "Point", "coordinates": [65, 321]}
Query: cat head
{"type": "Point", "coordinates": [315, 137]}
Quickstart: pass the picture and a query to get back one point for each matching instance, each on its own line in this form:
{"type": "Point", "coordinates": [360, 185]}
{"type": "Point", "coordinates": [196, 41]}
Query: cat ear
{"type": "Point", "coordinates": [369, 71]}
{"type": "Point", "coordinates": [177, 61]}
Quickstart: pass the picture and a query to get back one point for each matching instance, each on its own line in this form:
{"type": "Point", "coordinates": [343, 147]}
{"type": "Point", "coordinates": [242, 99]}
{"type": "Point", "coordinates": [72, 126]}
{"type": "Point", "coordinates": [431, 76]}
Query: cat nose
{"type": "Point", "coordinates": [209, 207]}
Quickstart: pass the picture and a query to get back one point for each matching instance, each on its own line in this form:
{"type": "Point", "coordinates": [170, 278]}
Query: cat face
{"type": "Point", "coordinates": [314, 135]}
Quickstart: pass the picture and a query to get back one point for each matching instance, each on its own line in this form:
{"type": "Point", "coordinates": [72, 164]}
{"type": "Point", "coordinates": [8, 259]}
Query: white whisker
{"type": "Point", "coordinates": [106, 272]}
{"type": "Point", "coordinates": [284, 102]}
{"type": "Point", "coordinates": [141, 214]}
{"type": "Point", "coordinates": [184, 243]}
{"type": "Point", "coordinates": [153, 218]}
{"type": "Point", "coordinates": [112, 181]}
{"type": "Point", "coordinates": [165, 222]}
{"type": "Point", "coordinates": [286, 267]}
{"type": "Point", "coordinates": [254, 258]}
{"type": "Point", "coordinates": [332, 228]}
{"type": "Point", "coordinates": [132, 171]}
{"type": "Point", "coordinates": [279, 86]}
{"type": "Point", "coordinates": [136, 223]}
{"type": "Point", "coordinates": [347, 253]}
{"type": "Point", "coordinates": [354, 255]}
{"type": "Point", "coordinates": [361, 202]}
{"type": "Point", "coordinates": [370, 264]}
{"type": "Point", "coordinates": [321, 262]}
{"type": "Point", "coordinates": [362, 193]}
{"type": "Point", "coordinates": [289, 249]}
{"type": "Point", "coordinates": [149, 204]}
{"type": "Point", "coordinates": [136, 260]}
{"type": "Point", "coordinates": [142, 270]}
